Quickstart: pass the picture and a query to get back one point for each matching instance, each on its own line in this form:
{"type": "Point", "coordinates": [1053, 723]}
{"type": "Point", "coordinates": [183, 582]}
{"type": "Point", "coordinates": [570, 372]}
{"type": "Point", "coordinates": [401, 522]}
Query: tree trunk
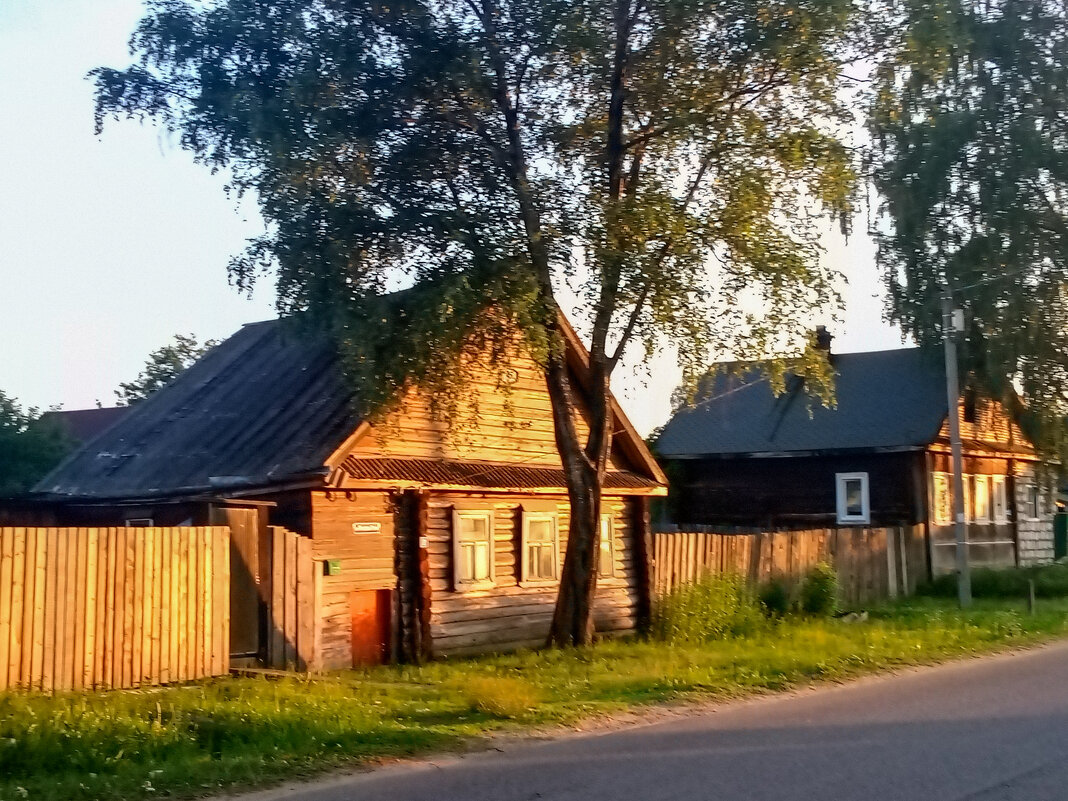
{"type": "Point", "coordinates": [584, 470]}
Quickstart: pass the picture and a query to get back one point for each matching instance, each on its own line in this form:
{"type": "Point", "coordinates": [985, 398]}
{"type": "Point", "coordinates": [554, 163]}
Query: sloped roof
{"type": "Point", "coordinates": [81, 425]}
{"type": "Point", "coordinates": [266, 405]}
{"type": "Point", "coordinates": [885, 399]}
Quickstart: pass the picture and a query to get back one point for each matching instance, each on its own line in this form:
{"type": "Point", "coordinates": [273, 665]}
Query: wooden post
{"type": "Point", "coordinates": [424, 649]}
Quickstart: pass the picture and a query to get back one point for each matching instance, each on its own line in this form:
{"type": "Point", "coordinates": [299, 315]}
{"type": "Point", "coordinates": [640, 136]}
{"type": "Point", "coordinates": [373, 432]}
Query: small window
{"type": "Point", "coordinates": [942, 498]}
{"type": "Point", "coordinates": [981, 498]}
{"type": "Point", "coordinates": [606, 559]}
{"type": "Point", "coordinates": [853, 503]}
{"type": "Point", "coordinates": [999, 506]}
{"type": "Point", "coordinates": [539, 546]}
{"type": "Point", "coordinates": [139, 522]}
{"type": "Point", "coordinates": [970, 415]}
{"type": "Point", "coordinates": [1030, 506]}
{"type": "Point", "coordinates": [472, 548]}
{"type": "Point", "coordinates": [969, 504]}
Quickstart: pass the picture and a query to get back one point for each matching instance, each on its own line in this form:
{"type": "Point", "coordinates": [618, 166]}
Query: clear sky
{"type": "Point", "coordinates": [111, 245]}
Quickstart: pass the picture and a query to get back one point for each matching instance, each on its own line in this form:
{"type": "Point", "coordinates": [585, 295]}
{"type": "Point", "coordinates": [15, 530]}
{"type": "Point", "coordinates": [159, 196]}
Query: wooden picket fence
{"type": "Point", "coordinates": [293, 640]}
{"type": "Point", "coordinates": [872, 563]}
{"type": "Point", "coordinates": [105, 608]}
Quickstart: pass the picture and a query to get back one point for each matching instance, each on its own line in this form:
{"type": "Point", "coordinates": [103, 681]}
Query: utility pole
{"type": "Point", "coordinates": [950, 326]}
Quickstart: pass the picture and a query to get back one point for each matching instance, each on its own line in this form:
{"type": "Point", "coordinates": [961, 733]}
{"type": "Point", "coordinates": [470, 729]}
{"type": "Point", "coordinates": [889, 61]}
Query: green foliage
{"type": "Point", "coordinates": [465, 149]}
{"type": "Point", "coordinates": [209, 737]}
{"type": "Point", "coordinates": [506, 697]}
{"type": "Point", "coordinates": [30, 446]}
{"type": "Point", "coordinates": [818, 593]}
{"type": "Point", "coordinates": [776, 598]}
{"type": "Point", "coordinates": [969, 117]}
{"type": "Point", "coordinates": [1051, 581]}
{"type": "Point", "coordinates": [713, 608]}
{"type": "Point", "coordinates": [162, 367]}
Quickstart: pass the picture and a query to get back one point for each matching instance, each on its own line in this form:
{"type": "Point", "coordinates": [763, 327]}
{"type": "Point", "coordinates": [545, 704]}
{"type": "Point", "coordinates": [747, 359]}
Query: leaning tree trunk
{"type": "Point", "coordinates": [584, 469]}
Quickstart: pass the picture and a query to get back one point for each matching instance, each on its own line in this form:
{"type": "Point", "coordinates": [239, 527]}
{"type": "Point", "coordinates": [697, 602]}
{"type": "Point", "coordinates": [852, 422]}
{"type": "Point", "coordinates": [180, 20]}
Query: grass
{"type": "Point", "coordinates": [201, 738]}
{"type": "Point", "coordinates": [1051, 581]}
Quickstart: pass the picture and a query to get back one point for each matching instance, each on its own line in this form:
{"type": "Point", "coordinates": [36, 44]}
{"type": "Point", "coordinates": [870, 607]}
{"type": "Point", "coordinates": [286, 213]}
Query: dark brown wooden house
{"type": "Point", "coordinates": [432, 542]}
{"type": "Point", "coordinates": [880, 457]}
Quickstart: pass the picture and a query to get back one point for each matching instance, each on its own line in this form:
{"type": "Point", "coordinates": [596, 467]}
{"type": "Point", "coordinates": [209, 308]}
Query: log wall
{"type": "Point", "coordinates": [508, 615]}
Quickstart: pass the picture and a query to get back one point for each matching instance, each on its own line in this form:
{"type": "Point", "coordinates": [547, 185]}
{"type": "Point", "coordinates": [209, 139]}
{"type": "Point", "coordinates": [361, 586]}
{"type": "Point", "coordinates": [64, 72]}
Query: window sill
{"type": "Point", "coordinates": [474, 586]}
{"type": "Point", "coordinates": [539, 583]}
{"type": "Point", "coordinates": [854, 521]}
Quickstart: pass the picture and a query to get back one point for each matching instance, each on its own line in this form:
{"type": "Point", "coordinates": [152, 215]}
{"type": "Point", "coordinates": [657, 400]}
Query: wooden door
{"type": "Point", "coordinates": [371, 619]}
{"type": "Point", "coordinates": [246, 609]}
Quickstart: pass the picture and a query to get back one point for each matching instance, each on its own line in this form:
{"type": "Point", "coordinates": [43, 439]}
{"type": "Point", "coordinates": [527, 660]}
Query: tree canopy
{"type": "Point", "coordinates": [29, 446]}
{"type": "Point", "coordinates": [163, 366]}
{"type": "Point", "coordinates": [662, 165]}
{"type": "Point", "coordinates": [970, 125]}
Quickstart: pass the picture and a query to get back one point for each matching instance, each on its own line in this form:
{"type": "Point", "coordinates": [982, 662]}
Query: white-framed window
{"type": "Point", "coordinates": [472, 536]}
{"type": "Point", "coordinates": [999, 505]}
{"type": "Point", "coordinates": [606, 556]}
{"type": "Point", "coordinates": [139, 522]}
{"type": "Point", "coordinates": [941, 498]}
{"type": "Point", "coordinates": [1030, 508]}
{"type": "Point", "coordinates": [853, 501]}
{"type": "Point", "coordinates": [981, 498]}
{"type": "Point", "coordinates": [540, 547]}
{"type": "Point", "coordinates": [969, 497]}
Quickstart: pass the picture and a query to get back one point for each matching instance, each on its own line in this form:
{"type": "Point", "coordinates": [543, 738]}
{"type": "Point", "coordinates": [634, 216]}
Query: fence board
{"type": "Point", "coordinates": [92, 608]}
{"type": "Point", "coordinates": [872, 564]}
{"type": "Point", "coordinates": [293, 640]}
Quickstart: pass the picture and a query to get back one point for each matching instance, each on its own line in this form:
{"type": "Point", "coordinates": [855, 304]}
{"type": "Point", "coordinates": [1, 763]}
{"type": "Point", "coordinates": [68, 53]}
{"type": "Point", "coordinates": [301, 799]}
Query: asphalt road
{"type": "Point", "coordinates": [984, 729]}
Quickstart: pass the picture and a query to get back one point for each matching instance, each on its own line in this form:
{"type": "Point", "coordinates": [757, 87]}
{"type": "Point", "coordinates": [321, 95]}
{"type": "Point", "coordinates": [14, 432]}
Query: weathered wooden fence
{"type": "Point", "coordinates": [872, 563]}
{"type": "Point", "coordinates": [293, 640]}
{"type": "Point", "coordinates": [112, 607]}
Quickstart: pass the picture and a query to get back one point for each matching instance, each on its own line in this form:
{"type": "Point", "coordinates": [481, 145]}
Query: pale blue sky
{"type": "Point", "coordinates": [109, 246]}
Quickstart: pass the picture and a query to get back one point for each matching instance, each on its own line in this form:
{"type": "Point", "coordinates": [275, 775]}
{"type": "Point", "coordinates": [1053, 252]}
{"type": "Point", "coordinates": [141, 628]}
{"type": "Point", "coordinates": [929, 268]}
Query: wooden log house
{"type": "Point", "coordinates": [880, 457]}
{"type": "Point", "coordinates": [432, 542]}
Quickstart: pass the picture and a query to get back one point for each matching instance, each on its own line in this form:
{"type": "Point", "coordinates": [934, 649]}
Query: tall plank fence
{"type": "Point", "coordinates": [293, 615]}
{"type": "Point", "coordinates": [872, 563]}
{"type": "Point", "coordinates": [105, 608]}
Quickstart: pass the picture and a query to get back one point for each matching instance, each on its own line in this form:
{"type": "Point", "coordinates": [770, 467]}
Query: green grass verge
{"type": "Point", "coordinates": [200, 738]}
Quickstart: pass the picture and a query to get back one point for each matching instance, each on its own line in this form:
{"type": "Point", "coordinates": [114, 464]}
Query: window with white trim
{"type": "Point", "coordinates": [853, 501]}
{"type": "Point", "coordinates": [999, 499]}
{"type": "Point", "coordinates": [1030, 508]}
{"type": "Point", "coordinates": [969, 497]}
{"type": "Point", "coordinates": [472, 532]}
{"type": "Point", "coordinates": [606, 558]}
{"type": "Point", "coordinates": [540, 547]}
{"type": "Point", "coordinates": [941, 498]}
{"type": "Point", "coordinates": [981, 498]}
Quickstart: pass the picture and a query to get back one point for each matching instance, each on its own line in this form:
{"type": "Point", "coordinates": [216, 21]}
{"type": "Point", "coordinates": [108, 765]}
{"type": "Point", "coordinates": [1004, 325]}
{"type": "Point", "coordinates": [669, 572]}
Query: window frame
{"type": "Point", "coordinates": [530, 516]}
{"type": "Point", "coordinates": [982, 479]}
{"type": "Point", "coordinates": [607, 526]}
{"type": "Point", "coordinates": [1029, 488]}
{"type": "Point", "coordinates": [999, 490]}
{"type": "Point", "coordinates": [937, 509]}
{"type": "Point", "coordinates": [840, 482]}
{"type": "Point", "coordinates": [140, 522]}
{"type": "Point", "coordinates": [459, 584]}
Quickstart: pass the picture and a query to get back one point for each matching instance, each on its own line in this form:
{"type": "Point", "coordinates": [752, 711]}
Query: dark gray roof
{"type": "Point", "coordinates": [266, 405]}
{"type": "Point", "coordinates": [885, 399]}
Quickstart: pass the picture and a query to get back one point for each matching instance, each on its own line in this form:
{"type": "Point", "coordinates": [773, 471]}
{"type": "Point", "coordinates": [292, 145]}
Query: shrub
{"type": "Point", "coordinates": [715, 607]}
{"type": "Point", "coordinates": [1051, 581]}
{"type": "Point", "coordinates": [819, 591]}
{"type": "Point", "coordinates": [775, 598]}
